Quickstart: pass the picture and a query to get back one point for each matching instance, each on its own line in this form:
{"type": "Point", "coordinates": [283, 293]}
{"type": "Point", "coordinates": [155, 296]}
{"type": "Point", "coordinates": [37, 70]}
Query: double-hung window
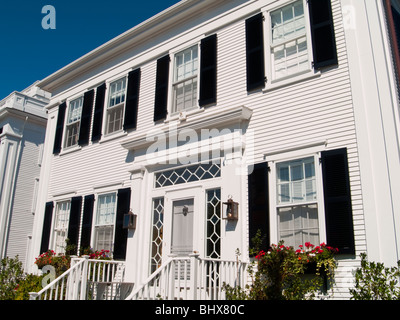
{"type": "Point", "coordinates": [105, 222]}
{"type": "Point", "coordinates": [185, 79]}
{"type": "Point", "coordinates": [302, 199]}
{"type": "Point", "coordinates": [60, 228]}
{"type": "Point", "coordinates": [116, 103]}
{"type": "Point", "coordinates": [289, 41]}
{"type": "Point", "coordinates": [289, 51]}
{"type": "Point", "coordinates": [297, 202]}
{"type": "Point", "coordinates": [73, 122]}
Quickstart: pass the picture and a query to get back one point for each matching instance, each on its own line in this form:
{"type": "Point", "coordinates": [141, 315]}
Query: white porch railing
{"type": "Point", "coordinates": [87, 280]}
{"type": "Point", "coordinates": [192, 278]}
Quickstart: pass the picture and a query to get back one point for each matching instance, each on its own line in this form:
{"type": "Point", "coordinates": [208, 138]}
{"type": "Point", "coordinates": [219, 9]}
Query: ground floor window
{"type": "Point", "coordinates": [297, 202]}
{"type": "Point", "coordinates": [105, 221]}
{"type": "Point", "coordinates": [60, 230]}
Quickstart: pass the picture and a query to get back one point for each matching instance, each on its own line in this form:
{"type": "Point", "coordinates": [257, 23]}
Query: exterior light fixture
{"type": "Point", "coordinates": [232, 209]}
{"type": "Point", "coordinates": [129, 221]}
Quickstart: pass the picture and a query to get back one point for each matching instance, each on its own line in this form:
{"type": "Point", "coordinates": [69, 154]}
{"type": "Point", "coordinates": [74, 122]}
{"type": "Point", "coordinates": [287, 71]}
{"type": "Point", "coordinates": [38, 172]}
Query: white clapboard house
{"type": "Point", "coordinates": [285, 112]}
{"type": "Point", "coordinates": [22, 132]}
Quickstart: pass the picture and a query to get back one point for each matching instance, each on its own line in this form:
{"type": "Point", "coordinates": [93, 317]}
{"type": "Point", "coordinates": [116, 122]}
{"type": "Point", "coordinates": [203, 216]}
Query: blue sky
{"type": "Point", "coordinates": [29, 53]}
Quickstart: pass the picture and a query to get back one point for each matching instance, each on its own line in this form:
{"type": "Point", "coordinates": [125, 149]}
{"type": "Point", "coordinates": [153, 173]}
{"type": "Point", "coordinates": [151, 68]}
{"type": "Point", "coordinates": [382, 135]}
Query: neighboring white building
{"type": "Point", "coordinates": [288, 107]}
{"type": "Point", "coordinates": [22, 131]}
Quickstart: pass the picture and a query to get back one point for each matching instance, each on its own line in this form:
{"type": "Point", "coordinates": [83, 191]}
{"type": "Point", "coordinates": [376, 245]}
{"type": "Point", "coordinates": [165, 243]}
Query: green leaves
{"type": "Point", "coordinates": [283, 273]}
{"type": "Point", "coordinates": [374, 281]}
{"type": "Point", "coordinates": [11, 274]}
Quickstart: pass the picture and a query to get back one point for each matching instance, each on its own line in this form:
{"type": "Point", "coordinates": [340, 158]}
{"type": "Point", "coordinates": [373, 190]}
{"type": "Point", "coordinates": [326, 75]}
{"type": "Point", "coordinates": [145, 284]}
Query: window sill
{"type": "Point", "coordinates": [70, 150]}
{"type": "Point", "coordinates": [293, 79]}
{"type": "Point", "coordinates": [113, 136]}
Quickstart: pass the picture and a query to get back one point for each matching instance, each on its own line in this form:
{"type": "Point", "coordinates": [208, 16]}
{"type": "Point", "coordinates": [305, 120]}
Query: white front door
{"type": "Point", "coordinates": [182, 213]}
{"type": "Point", "coordinates": [182, 227]}
{"type": "Point", "coordinates": [185, 221]}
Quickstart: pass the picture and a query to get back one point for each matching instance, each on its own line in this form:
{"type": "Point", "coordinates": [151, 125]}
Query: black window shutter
{"type": "Point", "coordinates": [337, 198]}
{"type": "Point", "coordinates": [259, 204]}
{"type": "Point", "coordinates": [255, 52]}
{"type": "Point", "coordinates": [161, 95]}
{"type": "Point", "coordinates": [322, 33]}
{"type": "Point", "coordinates": [121, 235]}
{"type": "Point", "coordinates": [208, 70]}
{"type": "Point", "coordinates": [87, 218]}
{"type": "Point", "coordinates": [132, 100]}
{"type": "Point", "coordinates": [86, 118]}
{"type": "Point", "coordinates": [98, 112]}
{"type": "Point", "coordinates": [74, 220]}
{"type": "Point", "coordinates": [59, 128]}
{"type": "Point", "coordinates": [48, 215]}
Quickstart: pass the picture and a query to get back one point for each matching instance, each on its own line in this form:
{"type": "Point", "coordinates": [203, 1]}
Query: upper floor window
{"type": "Point", "coordinates": [116, 103]}
{"type": "Point", "coordinates": [194, 79]}
{"type": "Point", "coordinates": [288, 44]}
{"type": "Point", "coordinates": [299, 37]}
{"type": "Point", "coordinates": [73, 122]}
{"type": "Point", "coordinates": [185, 79]}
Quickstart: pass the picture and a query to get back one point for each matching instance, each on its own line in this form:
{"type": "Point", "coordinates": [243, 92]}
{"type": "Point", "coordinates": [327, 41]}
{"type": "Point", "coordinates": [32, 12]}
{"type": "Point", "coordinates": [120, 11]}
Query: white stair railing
{"type": "Point", "coordinates": [67, 286]}
{"type": "Point", "coordinates": [87, 279]}
{"type": "Point", "coordinates": [181, 278]}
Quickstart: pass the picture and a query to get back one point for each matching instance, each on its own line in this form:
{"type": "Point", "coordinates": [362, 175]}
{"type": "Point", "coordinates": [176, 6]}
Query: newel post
{"type": "Point", "coordinates": [33, 295]}
{"type": "Point", "coordinates": [84, 278]}
{"type": "Point", "coordinates": [193, 274]}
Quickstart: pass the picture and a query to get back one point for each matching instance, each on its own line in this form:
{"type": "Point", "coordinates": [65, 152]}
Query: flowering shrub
{"type": "Point", "coordinates": [46, 258]}
{"type": "Point", "coordinates": [11, 274]}
{"type": "Point", "coordinates": [60, 262]}
{"type": "Point", "coordinates": [96, 254]}
{"type": "Point", "coordinates": [279, 273]}
{"type": "Point", "coordinates": [100, 255]}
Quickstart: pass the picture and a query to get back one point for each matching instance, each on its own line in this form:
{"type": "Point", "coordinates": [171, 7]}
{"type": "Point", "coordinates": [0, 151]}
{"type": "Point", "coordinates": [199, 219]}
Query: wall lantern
{"type": "Point", "coordinates": [129, 221]}
{"type": "Point", "coordinates": [232, 209]}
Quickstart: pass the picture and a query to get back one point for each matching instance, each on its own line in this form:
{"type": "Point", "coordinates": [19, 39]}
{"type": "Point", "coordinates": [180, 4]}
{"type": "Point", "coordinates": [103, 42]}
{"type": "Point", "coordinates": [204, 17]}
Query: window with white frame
{"type": "Point", "coordinates": [297, 202]}
{"type": "Point", "coordinates": [60, 228]}
{"type": "Point", "coordinates": [115, 108]}
{"type": "Point", "coordinates": [105, 222]}
{"type": "Point", "coordinates": [185, 79]}
{"type": "Point", "coordinates": [288, 40]}
{"type": "Point", "coordinates": [73, 122]}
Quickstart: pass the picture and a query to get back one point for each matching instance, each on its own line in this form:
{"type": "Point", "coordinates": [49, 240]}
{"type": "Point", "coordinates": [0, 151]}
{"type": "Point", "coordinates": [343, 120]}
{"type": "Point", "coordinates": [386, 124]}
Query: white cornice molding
{"type": "Point", "coordinates": [166, 19]}
{"type": "Point", "coordinates": [209, 120]}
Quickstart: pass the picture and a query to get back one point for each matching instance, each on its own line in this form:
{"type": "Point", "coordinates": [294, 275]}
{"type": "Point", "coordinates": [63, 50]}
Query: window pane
{"type": "Point", "coordinates": [104, 238]}
{"type": "Point", "coordinates": [117, 92]}
{"type": "Point", "coordinates": [289, 44]}
{"type": "Point", "coordinates": [298, 224]}
{"type": "Point", "coordinates": [106, 209]}
{"type": "Point", "coordinates": [115, 119]}
{"type": "Point", "coordinates": [296, 181]}
{"type": "Point", "coordinates": [72, 134]}
{"type": "Point", "coordinates": [157, 234]}
{"type": "Point", "coordinates": [187, 174]}
{"type": "Point", "coordinates": [213, 222]}
{"type": "Point", "coordinates": [75, 110]}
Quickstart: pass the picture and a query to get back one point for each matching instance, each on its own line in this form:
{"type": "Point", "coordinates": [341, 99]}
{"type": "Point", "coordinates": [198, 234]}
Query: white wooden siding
{"type": "Point", "coordinates": [22, 217]}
